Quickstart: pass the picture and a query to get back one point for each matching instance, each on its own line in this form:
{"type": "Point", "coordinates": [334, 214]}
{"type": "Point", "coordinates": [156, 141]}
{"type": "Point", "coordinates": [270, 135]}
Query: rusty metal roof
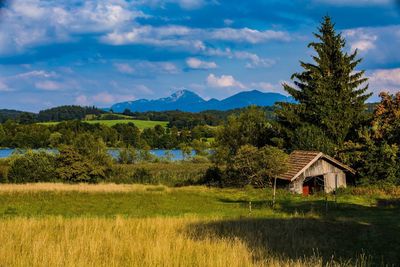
{"type": "Point", "coordinates": [299, 161]}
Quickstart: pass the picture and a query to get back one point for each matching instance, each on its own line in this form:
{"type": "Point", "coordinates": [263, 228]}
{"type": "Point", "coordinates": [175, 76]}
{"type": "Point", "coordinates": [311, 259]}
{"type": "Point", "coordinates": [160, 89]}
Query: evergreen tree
{"type": "Point", "coordinates": [330, 93]}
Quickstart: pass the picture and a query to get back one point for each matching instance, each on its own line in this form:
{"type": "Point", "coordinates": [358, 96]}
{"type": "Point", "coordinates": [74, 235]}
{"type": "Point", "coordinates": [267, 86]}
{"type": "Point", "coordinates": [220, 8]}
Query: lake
{"type": "Point", "coordinates": [176, 154]}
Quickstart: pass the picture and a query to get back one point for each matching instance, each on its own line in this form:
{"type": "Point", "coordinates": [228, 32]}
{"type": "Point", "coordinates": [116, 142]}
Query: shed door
{"type": "Point", "coordinates": [306, 190]}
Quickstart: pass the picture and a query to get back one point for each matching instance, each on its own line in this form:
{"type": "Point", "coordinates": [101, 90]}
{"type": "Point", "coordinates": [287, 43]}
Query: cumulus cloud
{"type": "Point", "coordinates": [361, 39]}
{"type": "Point", "coordinates": [30, 23]}
{"type": "Point", "coordinates": [48, 85]}
{"type": "Point", "coordinates": [254, 61]}
{"type": "Point", "coordinates": [223, 81]}
{"type": "Point", "coordinates": [36, 74]}
{"type": "Point", "coordinates": [385, 80]}
{"type": "Point", "coordinates": [102, 98]}
{"type": "Point", "coordinates": [247, 35]}
{"type": "Point", "coordinates": [195, 63]}
{"type": "Point", "coordinates": [124, 68]}
{"type": "Point", "coordinates": [355, 2]}
{"type": "Point", "coordinates": [82, 100]}
{"type": "Point", "coordinates": [4, 87]}
{"type": "Point", "coordinates": [144, 68]}
{"type": "Point", "coordinates": [380, 43]}
{"type": "Point", "coordinates": [175, 35]}
{"type": "Point", "coordinates": [185, 4]}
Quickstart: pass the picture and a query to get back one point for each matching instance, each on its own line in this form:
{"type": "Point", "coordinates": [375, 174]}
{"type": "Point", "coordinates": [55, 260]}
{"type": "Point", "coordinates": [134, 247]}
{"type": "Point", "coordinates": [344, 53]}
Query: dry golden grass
{"type": "Point", "coordinates": [57, 241]}
{"type": "Point", "coordinates": [59, 187]}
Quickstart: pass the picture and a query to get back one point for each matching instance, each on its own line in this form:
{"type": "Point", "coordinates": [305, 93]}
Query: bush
{"type": "Point", "coordinates": [72, 167]}
{"type": "Point", "coordinates": [4, 167]}
{"type": "Point", "coordinates": [32, 167]}
{"type": "Point", "coordinates": [256, 167]}
{"type": "Point", "coordinates": [213, 177]}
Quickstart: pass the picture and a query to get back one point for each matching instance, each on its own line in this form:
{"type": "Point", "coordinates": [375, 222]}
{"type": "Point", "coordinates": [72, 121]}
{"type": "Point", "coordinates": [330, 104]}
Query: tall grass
{"type": "Point", "coordinates": [57, 241]}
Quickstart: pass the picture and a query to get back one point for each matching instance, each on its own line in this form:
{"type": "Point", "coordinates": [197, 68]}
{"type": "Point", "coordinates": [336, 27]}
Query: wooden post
{"type": "Point", "coordinates": [273, 200]}
{"type": "Point", "coordinates": [336, 187]}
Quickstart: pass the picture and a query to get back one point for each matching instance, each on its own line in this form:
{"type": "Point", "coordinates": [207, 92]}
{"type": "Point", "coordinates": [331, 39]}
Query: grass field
{"type": "Point", "coordinates": [137, 225]}
{"type": "Point", "coordinates": [141, 124]}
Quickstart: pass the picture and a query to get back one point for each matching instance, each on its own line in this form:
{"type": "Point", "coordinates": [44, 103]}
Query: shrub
{"type": "Point", "coordinates": [256, 166]}
{"type": "Point", "coordinates": [213, 177]}
{"type": "Point", "coordinates": [72, 167]}
{"type": "Point", "coordinates": [128, 155]}
{"type": "Point", "coordinates": [32, 167]}
{"type": "Point", "coordinates": [4, 167]}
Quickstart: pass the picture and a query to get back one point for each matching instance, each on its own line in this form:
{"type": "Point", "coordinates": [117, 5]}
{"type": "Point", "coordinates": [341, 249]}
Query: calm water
{"type": "Point", "coordinates": [175, 154]}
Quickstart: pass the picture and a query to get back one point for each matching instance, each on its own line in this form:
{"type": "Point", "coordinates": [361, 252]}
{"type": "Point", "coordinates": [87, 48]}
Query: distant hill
{"type": "Point", "coordinates": [65, 113]}
{"type": "Point", "coordinates": [10, 114]}
{"type": "Point", "coordinates": [186, 100]}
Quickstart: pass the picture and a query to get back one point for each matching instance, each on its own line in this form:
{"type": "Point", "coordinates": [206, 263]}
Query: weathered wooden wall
{"type": "Point", "coordinates": [321, 168]}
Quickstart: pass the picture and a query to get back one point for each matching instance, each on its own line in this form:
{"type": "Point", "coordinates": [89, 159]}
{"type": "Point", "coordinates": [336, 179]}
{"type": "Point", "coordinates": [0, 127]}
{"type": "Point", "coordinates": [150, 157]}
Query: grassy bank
{"type": "Point", "coordinates": [137, 225]}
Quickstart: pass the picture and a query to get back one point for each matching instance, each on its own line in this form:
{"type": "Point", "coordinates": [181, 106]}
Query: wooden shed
{"type": "Point", "coordinates": [311, 171]}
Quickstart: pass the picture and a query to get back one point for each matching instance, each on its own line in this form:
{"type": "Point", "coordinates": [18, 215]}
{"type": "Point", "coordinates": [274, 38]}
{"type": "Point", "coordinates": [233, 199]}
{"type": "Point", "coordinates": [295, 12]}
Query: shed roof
{"type": "Point", "coordinates": [300, 161]}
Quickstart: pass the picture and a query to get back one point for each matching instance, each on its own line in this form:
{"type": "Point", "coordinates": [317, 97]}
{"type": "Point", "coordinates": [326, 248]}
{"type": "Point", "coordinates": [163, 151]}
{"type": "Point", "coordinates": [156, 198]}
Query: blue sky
{"type": "Point", "coordinates": [55, 52]}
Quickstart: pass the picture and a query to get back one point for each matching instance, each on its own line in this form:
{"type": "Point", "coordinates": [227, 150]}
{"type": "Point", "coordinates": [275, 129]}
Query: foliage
{"type": "Point", "coordinates": [256, 167]}
{"type": "Point", "coordinates": [330, 94]}
{"type": "Point", "coordinates": [127, 155]}
{"type": "Point", "coordinates": [248, 128]}
{"type": "Point", "coordinates": [311, 137]}
{"type": "Point", "coordinates": [64, 113]}
{"type": "Point", "coordinates": [73, 167]}
{"type": "Point", "coordinates": [386, 120]}
{"type": "Point", "coordinates": [4, 167]}
{"type": "Point", "coordinates": [32, 167]}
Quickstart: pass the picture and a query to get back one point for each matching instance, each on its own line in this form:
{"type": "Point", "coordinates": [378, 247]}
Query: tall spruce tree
{"type": "Point", "coordinates": [330, 94]}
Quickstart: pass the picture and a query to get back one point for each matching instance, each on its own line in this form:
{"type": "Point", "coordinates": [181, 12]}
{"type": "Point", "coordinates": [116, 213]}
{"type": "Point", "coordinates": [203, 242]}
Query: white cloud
{"type": "Point", "coordinates": [102, 98]}
{"type": "Point", "coordinates": [223, 81]}
{"type": "Point", "coordinates": [124, 68]}
{"type": "Point", "coordinates": [247, 35]}
{"type": "Point", "coordinates": [4, 87]}
{"type": "Point", "coordinates": [48, 85]}
{"type": "Point", "coordinates": [30, 23]}
{"type": "Point", "coordinates": [185, 4]}
{"type": "Point", "coordinates": [174, 35]}
{"type": "Point", "coordinates": [82, 100]}
{"type": "Point", "coordinates": [385, 80]}
{"type": "Point", "coordinates": [196, 63]}
{"type": "Point", "coordinates": [254, 60]}
{"type": "Point", "coordinates": [381, 43]}
{"type": "Point", "coordinates": [355, 2]}
{"type": "Point", "coordinates": [143, 89]}
{"type": "Point", "coordinates": [36, 74]}
{"type": "Point", "coordinates": [143, 68]}
{"type": "Point", "coordinates": [361, 39]}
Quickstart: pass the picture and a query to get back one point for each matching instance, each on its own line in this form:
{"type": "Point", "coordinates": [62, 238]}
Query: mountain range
{"type": "Point", "coordinates": [185, 100]}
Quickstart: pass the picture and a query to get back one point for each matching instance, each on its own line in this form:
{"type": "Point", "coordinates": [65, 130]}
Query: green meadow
{"type": "Point", "coordinates": [361, 227]}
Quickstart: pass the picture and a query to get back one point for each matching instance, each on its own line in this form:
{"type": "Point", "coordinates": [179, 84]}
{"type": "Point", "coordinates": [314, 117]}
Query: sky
{"type": "Point", "coordinates": [100, 52]}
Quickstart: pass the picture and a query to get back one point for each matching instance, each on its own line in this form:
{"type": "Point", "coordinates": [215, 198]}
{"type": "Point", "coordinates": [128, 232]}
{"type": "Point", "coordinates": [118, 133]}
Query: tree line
{"type": "Point", "coordinates": [34, 136]}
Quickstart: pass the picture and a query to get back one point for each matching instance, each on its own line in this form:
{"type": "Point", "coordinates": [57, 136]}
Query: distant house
{"type": "Point", "coordinates": [311, 171]}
